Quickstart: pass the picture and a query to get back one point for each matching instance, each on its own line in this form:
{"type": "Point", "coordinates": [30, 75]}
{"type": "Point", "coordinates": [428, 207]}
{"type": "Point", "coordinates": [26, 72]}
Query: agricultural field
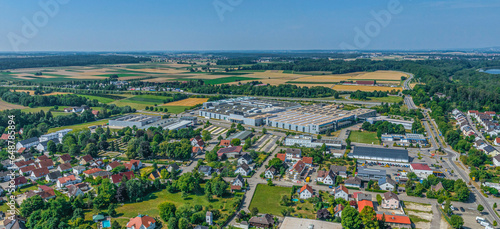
{"type": "Point", "coordinates": [98, 98]}
{"type": "Point", "coordinates": [175, 109]}
{"type": "Point", "coordinates": [364, 88]}
{"type": "Point", "coordinates": [31, 92]}
{"type": "Point", "coordinates": [140, 102]}
{"type": "Point", "coordinates": [187, 102]}
{"type": "Point", "coordinates": [364, 137]}
{"type": "Point", "coordinates": [79, 126]}
{"type": "Point", "coordinates": [9, 106]}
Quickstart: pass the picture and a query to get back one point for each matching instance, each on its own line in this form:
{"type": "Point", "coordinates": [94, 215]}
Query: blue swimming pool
{"type": "Point", "coordinates": [106, 224]}
{"type": "Point", "coordinates": [295, 200]}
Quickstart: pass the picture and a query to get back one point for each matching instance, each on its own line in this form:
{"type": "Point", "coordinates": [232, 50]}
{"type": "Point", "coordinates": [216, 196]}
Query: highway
{"type": "Point", "coordinates": [408, 99]}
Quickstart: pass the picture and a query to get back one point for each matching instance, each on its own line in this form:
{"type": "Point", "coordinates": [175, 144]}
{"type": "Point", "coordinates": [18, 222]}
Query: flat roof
{"type": "Point", "coordinates": [361, 151]}
{"type": "Point", "coordinates": [372, 171]}
{"type": "Point", "coordinates": [300, 223]}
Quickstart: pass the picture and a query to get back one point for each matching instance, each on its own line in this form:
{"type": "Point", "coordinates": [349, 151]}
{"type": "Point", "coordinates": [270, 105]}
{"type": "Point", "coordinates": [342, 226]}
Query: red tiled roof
{"type": "Point", "coordinates": [363, 203]}
{"type": "Point", "coordinates": [42, 158]}
{"type": "Point", "coordinates": [139, 221]}
{"type": "Point", "coordinates": [87, 158]}
{"type": "Point", "coordinates": [45, 188]}
{"type": "Point", "coordinates": [91, 171]}
{"type": "Point", "coordinates": [95, 112]}
{"type": "Point", "coordinates": [497, 140]}
{"type": "Point", "coordinates": [46, 163]}
{"type": "Point", "coordinates": [28, 168]}
{"type": "Point", "coordinates": [400, 219]}
{"type": "Point", "coordinates": [299, 166]}
{"type": "Point", "coordinates": [24, 163]}
{"type": "Point", "coordinates": [63, 180]}
{"type": "Point", "coordinates": [22, 149]}
{"type": "Point", "coordinates": [117, 178]}
{"type": "Point", "coordinates": [306, 187]}
{"type": "Point", "coordinates": [419, 166]}
{"type": "Point", "coordinates": [114, 164]}
{"type": "Point", "coordinates": [224, 142]}
{"type": "Point", "coordinates": [20, 180]}
{"type": "Point", "coordinates": [343, 188]}
{"type": "Point", "coordinates": [5, 137]}
{"type": "Point", "coordinates": [281, 156]}
{"type": "Point", "coordinates": [235, 187]}
{"type": "Point", "coordinates": [65, 157]}
{"type": "Point", "coordinates": [233, 149]}
{"type": "Point", "coordinates": [196, 149]}
{"type": "Point", "coordinates": [40, 172]}
{"type": "Point", "coordinates": [307, 160]}
{"type": "Point", "coordinates": [65, 166]}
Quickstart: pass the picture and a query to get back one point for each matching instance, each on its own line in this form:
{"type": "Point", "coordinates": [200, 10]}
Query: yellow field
{"type": "Point", "coordinates": [31, 92]}
{"type": "Point", "coordinates": [187, 102]}
{"type": "Point", "coordinates": [377, 75]}
{"type": "Point", "coordinates": [8, 106]}
{"type": "Point", "coordinates": [363, 88]}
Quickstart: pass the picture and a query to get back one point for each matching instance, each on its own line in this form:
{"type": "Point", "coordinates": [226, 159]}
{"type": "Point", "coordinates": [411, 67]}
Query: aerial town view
{"type": "Point", "coordinates": [249, 114]}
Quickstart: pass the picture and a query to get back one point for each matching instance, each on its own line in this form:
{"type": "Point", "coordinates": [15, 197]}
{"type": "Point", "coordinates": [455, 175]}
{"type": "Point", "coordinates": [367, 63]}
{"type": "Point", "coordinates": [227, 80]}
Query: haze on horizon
{"type": "Point", "coordinates": [70, 25]}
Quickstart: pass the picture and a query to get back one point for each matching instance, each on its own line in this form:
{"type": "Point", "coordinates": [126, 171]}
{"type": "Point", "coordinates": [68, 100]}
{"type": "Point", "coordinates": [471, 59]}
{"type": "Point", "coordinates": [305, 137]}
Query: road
{"type": "Point", "coordinates": [408, 99]}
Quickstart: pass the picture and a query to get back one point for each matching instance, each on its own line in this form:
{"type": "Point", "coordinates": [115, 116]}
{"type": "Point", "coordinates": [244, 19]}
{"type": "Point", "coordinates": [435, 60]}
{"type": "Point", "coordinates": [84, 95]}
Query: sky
{"type": "Point", "coordinates": [190, 25]}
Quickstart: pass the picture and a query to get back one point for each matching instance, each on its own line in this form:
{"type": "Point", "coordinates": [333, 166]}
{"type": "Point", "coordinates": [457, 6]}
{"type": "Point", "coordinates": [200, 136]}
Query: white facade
{"type": "Point", "coordinates": [306, 194]}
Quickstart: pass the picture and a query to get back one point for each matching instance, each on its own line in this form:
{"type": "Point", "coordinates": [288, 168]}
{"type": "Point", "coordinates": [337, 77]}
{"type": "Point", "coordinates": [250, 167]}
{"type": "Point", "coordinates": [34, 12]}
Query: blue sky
{"type": "Point", "coordinates": [132, 25]}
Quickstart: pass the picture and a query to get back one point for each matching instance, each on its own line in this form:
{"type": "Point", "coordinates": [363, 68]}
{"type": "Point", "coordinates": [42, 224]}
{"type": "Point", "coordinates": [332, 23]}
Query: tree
{"type": "Point", "coordinates": [480, 207]}
{"type": "Point", "coordinates": [116, 225]}
{"type": "Point", "coordinates": [172, 223]}
{"type": "Point", "coordinates": [235, 142]}
{"type": "Point", "coordinates": [456, 221]}
{"type": "Point", "coordinates": [264, 130]}
{"type": "Point", "coordinates": [369, 218]}
{"type": "Point", "coordinates": [51, 146]}
{"type": "Point", "coordinates": [350, 218]}
{"type": "Point", "coordinates": [91, 149]}
{"type": "Point", "coordinates": [167, 211]}
{"type": "Point", "coordinates": [111, 210]}
{"type": "Point", "coordinates": [183, 223]}
{"type": "Point", "coordinates": [379, 199]}
{"type": "Point", "coordinates": [494, 205]}
{"type": "Point", "coordinates": [323, 214]}
{"type": "Point", "coordinates": [254, 211]}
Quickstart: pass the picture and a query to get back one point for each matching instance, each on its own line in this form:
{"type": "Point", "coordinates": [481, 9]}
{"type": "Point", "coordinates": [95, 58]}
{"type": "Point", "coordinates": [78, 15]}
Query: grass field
{"type": "Point", "coordinates": [99, 98]}
{"type": "Point", "coordinates": [78, 126]}
{"type": "Point", "coordinates": [267, 198]}
{"type": "Point", "coordinates": [388, 99]}
{"type": "Point", "coordinates": [150, 205]}
{"type": "Point", "coordinates": [364, 137]}
{"type": "Point", "coordinates": [151, 99]}
{"type": "Point", "coordinates": [175, 109]}
{"type": "Point", "coordinates": [364, 88]}
{"type": "Point", "coordinates": [187, 102]}
{"type": "Point", "coordinates": [8, 106]}
{"type": "Point", "coordinates": [229, 79]}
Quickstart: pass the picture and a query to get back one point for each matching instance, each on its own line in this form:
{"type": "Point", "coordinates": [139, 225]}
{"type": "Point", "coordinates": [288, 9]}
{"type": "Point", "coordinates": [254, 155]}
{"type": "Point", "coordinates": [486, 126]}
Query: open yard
{"type": "Point", "coordinates": [364, 137]}
{"type": "Point", "coordinates": [187, 102]}
{"type": "Point", "coordinates": [79, 126]}
{"type": "Point", "coordinates": [175, 109]}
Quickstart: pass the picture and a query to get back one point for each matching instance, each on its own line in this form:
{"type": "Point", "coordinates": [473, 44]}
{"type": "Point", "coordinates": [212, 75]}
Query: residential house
{"type": "Point", "coordinates": [27, 143]}
{"type": "Point", "coordinates": [97, 163]}
{"type": "Point", "coordinates": [497, 141]}
{"type": "Point", "coordinates": [386, 183]}
{"type": "Point", "coordinates": [238, 181]}
{"type": "Point", "coordinates": [117, 178]}
{"type": "Point", "coordinates": [103, 174]}
{"type": "Point", "coordinates": [326, 177]}
{"type": "Point", "coordinates": [197, 141]}
{"type": "Point", "coordinates": [39, 173]}
{"type": "Point", "coordinates": [43, 146]}
{"type": "Point", "coordinates": [354, 182]}
{"type": "Point", "coordinates": [263, 221]}
{"type": "Point", "coordinates": [245, 159]}
{"type": "Point", "coordinates": [65, 181]}
{"type": "Point", "coordinates": [297, 170]}
{"type": "Point", "coordinates": [20, 164]}
{"type": "Point", "coordinates": [74, 191]}
{"type": "Point", "coordinates": [27, 156]}
{"type": "Point", "coordinates": [395, 221]}
{"type": "Point", "coordinates": [86, 159]}
{"type": "Point", "coordinates": [341, 192]}
{"type": "Point", "coordinates": [41, 158]}
{"type": "Point", "coordinates": [133, 165]}
{"type": "Point", "coordinates": [27, 169]}
{"type": "Point", "coordinates": [281, 156]}
{"type": "Point", "coordinates": [490, 150]}
{"type": "Point", "coordinates": [205, 169]}
{"type": "Point", "coordinates": [112, 165]}
{"type": "Point", "coordinates": [142, 222]}
{"type": "Point", "coordinates": [270, 173]}
{"type": "Point", "coordinates": [89, 172]}
{"type": "Point", "coordinates": [196, 150]}
{"type": "Point", "coordinates": [224, 143]}
{"type": "Point", "coordinates": [172, 167]}
{"type": "Point", "coordinates": [230, 152]}
{"type": "Point", "coordinates": [359, 196]}
{"type": "Point", "coordinates": [364, 203]}
{"type": "Point", "coordinates": [306, 192]}
{"type": "Point", "coordinates": [293, 155]}
{"type": "Point", "coordinates": [390, 201]}
{"type": "Point", "coordinates": [421, 170]}
{"type": "Point", "coordinates": [43, 191]}
{"type": "Point", "coordinates": [5, 175]}
{"type": "Point", "coordinates": [49, 164]}
{"type": "Point", "coordinates": [437, 187]}
{"type": "Point", "coordinates": [53, 176]}
{"type": "Point", "coordinates": [65, 158]}
{"type": "Point", "coordinates": [64, 167]}
{"type": "Point", "coordinates": [16, 222]}
{"type": "Point", "coordinates": [20, 181]}
{"type": "Point", "coordinates": [209, 218]}
{"type": "Point", "coordinates": [243, 169]}
{"type": "Point", "coordinates": [77, 170]}
{"type": "Point", "coordinates": [308, 161]}
{"type": "Point", "coordinates": [340, 170]}
{"type": "Point", "coordinates": [338, 210]}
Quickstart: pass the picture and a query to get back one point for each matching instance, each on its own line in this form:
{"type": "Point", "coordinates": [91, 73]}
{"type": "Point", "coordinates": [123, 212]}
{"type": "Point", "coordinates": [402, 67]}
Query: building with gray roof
{"type": "Point", "coordinates": [379, 154]}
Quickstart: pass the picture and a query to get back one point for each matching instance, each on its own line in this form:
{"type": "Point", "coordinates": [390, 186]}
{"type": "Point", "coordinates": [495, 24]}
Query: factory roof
{"type": "Point", "coordinates": [380, 152]}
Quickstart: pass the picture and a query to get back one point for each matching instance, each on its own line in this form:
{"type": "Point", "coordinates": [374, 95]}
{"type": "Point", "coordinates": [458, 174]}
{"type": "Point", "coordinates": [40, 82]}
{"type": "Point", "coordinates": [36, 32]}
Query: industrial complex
{"type": "Point", "coordinates": [146, 121]}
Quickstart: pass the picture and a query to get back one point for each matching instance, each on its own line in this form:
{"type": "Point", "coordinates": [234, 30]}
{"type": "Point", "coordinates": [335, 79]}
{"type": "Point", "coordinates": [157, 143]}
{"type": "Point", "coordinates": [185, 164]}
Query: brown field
{"type": "Point", "coordinates": [31, 92]}
{"type": "Point", "coordinates": [187, 102]}
{"type": "Point", "coordinates": [160, 79]}
{"type": "Point", "coordinates": [8, 106]}
{"type": "Point", "coordinates": [363, 88]}
{"type": "Point", "coordinates": [377, 75]}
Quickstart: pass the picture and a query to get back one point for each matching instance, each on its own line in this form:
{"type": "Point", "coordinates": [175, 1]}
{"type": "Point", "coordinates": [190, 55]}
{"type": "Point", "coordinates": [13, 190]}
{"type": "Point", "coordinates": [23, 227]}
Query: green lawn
{"type": "Point", "coordinates": [59, 112]}
{"type": "Point", "coordinates": [267, 198]}
{"type": "Point", "coordinates": [150, 205]}
{"type": "Point", "coordinates": [175, 109]}
{"type": "Point", "coordinates": [98, 98]}
{"type": "Point", "coordinates": [78, 126]}
{"type": "Point", "coordinates": [364, 137]}
{"type": "Point", "coordinates": [229, 79]}
{"type": "Point", "coordinates": [388, 99]}
{"type": "Point", "coordinates": [152, 99]}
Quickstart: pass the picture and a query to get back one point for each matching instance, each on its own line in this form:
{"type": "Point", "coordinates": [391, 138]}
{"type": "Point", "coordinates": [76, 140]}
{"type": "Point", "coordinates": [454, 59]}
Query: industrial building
{"type": "Point", "coordinates": [318, 119]}
{"type": "Point", "coordinates": [309, 141]}
{"type": "Point", "coordinates": [244, 110]}
{"type": "Point", "coordinates": [134, 120]}
{"type": "Point", "coordinates": [243, 135]}
{"type": "Point", "coordinates": [407, 124]}
{"type": "Point", "coordinates": [379, 154]}
{"type": "Point", "coordinates": [370, 174]}
{"type": "Point", "coordinates": [406, 139]}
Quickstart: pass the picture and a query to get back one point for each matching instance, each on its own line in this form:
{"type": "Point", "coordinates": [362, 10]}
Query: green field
{"type": "Point", "coordinates": [152, 99]}
{"type": "Point", "coordinates": [364, 137]}
{"type": "Point", "coordinates": [150, 205]}
{"type": "Point", "coordinates": [79, 126]}
{"type": "Point", "coordinates": [267, 198]}
{"type": "Point", "coordinates": [229, 79]}
{"type": "Point", "coordinates": [175, 109]}
{"type": "Point", "coordinates": [98, 98]}
{"type": "Point", "coordinates": [388, 99]}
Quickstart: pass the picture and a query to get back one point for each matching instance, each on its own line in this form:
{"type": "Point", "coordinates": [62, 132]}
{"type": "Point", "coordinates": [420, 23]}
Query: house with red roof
{"type": "Point", "coordinates": [306, 192]}
{"type": "Point", "coordinates": [112, 165]}
{"type": "Point", "coordinates": [230, 152]}
{"type": "Point", "coordinates": [49, 164]}
{"type": "Point", "coordinates": [42, 158]}
{"type": "Point", "coordinates": [338, 210]}
{"type": "Point", "coordinates": [399, 221]}
{"type": "Point", "coordinates": [95, 113]}
{"type": "Point", "coordinates": [297, 170]}
{"type": "Point", "coordinates": [117, 178]}
{"type": "Point", "coordinates": [92, 171]}
{"type": "Point", "coordinates": [20, 181]}
{"type": "Point", "coordinates": [364, 203]}
{"type": "Point", "coordinates": [497, 141]}
{"type": "Point", "coordinates": [27, 169]}
{"type": "Point", "coordinates": [64, 158]}
{"type": "Point", "coordinates": [86, 159]}
{"type": "Point", "coordinates": [133, 165]}
{"type": "Point", "coordinates": [281, 156]}
{"type": "Point", "coordinates": [65, 181]}
{"type": "Point", "coordinates": [39, 173]}
{"type": "Point", "coordinates": [421, 170]}
{"type": "Point", "coordinates": [21, 164]}
{"type": "Point", "coordinates": [341, 192]}
{"type": "Point", "coordinates": [196, 150]}
{"type": "Point", "coordinates": [197, 141]}
{"type": "Point", "coordinates": [142, 222]}
{"type": "Point", "coordinates": [5, 137]}
{"type": "Point", "coordinates": [308, 161]}
{"type": "Point", "coordinates": [224, 143]}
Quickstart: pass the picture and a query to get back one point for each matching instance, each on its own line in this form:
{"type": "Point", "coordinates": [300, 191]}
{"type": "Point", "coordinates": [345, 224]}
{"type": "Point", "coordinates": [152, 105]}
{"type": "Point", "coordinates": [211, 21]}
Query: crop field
{"type": "Point", "coordinates": [78, 126]}
{"type": "Point", "coordinates": [187, 102]}
{"type": "Point", "coordinates": [8, 106]}
{"type": "Point", "coordinates": [98, 98]}
{"type": "Point", "coordinates": [364, 88]}
{"type": "Point", "coordinates": [149, 99]}
{"type": "Point", "coordinates": [31, 92]}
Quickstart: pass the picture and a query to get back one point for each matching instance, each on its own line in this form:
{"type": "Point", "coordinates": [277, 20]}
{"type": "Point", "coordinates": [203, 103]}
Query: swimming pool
{"type": "Point", "coordinates": [295, 200]}
{"type": "Point", "coordinates": [106, 224]}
